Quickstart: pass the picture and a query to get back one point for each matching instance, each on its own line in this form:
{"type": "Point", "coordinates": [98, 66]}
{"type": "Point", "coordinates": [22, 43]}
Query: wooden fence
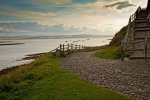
{"type": "Point", "coordinates": [70, 48]}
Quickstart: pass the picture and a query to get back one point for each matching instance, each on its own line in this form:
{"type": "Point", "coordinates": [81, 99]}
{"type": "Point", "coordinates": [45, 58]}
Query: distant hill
{"type": "Point", "coordinates": [118, 37]}
{"type": "Point", "coordinates": [55, 37]}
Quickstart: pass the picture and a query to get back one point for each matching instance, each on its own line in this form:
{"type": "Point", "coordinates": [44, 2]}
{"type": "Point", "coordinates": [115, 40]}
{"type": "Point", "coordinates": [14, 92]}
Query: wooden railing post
{"type": "Point", "coordinates": [71, 47]}
{"type": "Point", "coordinates": [79, 47]}
{"type": "Point", "coordinates": [60, 49]}
{"type": "Point", "coordinates": [68, 48]}
{"type": "Point", "coordinates": [145, 47]}
{"type": "Point", "coordinates": [63, 49]}
{"type": "Point", "coordinates": [122, 55]}
{"type": "Point", "coordinates": [76, 47]}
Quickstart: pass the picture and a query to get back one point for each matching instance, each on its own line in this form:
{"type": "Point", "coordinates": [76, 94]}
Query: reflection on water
{"type": "Point", "coordinates": [10, 54]}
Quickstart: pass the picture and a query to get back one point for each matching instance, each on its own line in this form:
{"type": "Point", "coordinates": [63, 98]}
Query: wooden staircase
{"type": "Point", "coordinates": [136, 44]}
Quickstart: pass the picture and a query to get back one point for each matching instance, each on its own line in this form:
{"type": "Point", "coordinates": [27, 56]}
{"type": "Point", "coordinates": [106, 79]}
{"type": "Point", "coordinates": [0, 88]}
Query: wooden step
{"type": "Point", "coordinates": [143, 11]}
{"type": "Point", "coordinates": [148, 54]}
{"type": "Point", "coordinates": [142, 25]}
{"type": "Point", "coordinates": [142, 34]}
{"type": "Point", "coordinates": [139, 38]}
{"type": "Point", "coordinates": [142, 29]}
{"type": "Point", "coordinates": [141, 21]}
{"type": "Point", "coordinates": [142, 16]}
{"type": "Point", "coordinates": [148, 46]}
{"type": "Point", "coordinates": [133, 46]}
{"type": "Point", "coordinates": [138, 55]}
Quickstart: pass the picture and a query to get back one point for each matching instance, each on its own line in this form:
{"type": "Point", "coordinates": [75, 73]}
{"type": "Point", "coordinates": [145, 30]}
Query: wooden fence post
{"type": "Point", "coordinates": [68, 49]}
{"type": "Point", "coordinates": [60, 49]}
{"type": "Point", "coordinates": [82, 48]}
{"type": "Point", "coordinates": [122, 54]}
{"type": "Point", "coordinates": [79, 47]}
{"type": "Point", "coordinates": [71, 47]}
{"type": "Point", "coordinates": [76, 47]}
{"type": "Point", "coordinates": [63, 49]}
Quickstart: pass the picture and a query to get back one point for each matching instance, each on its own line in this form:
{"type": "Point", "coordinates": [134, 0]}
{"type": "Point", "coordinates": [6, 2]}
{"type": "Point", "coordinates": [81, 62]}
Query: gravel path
{"type": "Point", "coordinates": [131, 78]}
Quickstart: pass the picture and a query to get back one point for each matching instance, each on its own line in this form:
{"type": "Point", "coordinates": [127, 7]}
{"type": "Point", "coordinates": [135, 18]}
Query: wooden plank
{"type": "Point", "coordinates": [137, 55]}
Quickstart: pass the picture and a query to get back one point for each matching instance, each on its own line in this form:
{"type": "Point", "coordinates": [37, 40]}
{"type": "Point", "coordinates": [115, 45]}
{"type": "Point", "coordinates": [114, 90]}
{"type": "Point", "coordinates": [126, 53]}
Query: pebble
{"type": "Point", "coordinates": [130, 77]}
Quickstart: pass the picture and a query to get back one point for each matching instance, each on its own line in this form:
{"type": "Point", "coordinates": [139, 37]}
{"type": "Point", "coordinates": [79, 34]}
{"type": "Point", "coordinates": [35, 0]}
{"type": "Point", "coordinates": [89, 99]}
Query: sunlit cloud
{"type": "Point", "coordinates": [95, 16]}
{"type": "Point", "coordinates": [50, 2]}
{"type": "Point", "coordinates": [119, 5]}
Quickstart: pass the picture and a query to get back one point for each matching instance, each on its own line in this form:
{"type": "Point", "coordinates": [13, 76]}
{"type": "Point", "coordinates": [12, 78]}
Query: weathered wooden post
{"type": "Point", "coordinates": [60, 49]}
{"type": "Point", "coordinates": [76, 47]}
{"type": "Point", "coordinates": [122, 54]}
{"type": "Point", "coordinates": [63, 49]}
{"type": "Point", "coordinates": [148, 5]}
{"type": "Point", "coordinates": [82, 48]}
{"type": "Point", "coordinates": [79, 47]}
{"type": "Point", "coordinates": [68, 49]}
{"type": "Point", "coordinates": [145, 47]}
{"type": "Point", "coordinates": [71, 47]}
{"type": "Point", "coordinates": [122, 50]}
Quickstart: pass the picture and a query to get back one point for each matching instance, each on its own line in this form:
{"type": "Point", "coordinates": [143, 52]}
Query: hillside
{"type": "Point", "coordinates": [118, 37]}
{"type": "Point", "coordinates": [114, 46]}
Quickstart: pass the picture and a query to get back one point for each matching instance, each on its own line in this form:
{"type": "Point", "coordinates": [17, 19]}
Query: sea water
{"type": "Point", "coordinates": [11, 55]}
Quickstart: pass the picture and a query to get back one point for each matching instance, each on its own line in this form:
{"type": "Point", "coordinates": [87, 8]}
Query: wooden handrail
{"type": "Point", "coordinates": [148, 18]}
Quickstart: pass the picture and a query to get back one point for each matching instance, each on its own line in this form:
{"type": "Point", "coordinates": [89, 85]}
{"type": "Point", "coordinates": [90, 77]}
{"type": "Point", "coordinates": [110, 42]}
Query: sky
{"type": "Point", "coordinates": [65, 17]}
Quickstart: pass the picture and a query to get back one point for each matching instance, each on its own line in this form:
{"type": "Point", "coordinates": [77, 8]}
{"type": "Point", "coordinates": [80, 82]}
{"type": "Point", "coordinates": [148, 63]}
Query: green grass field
{"type": "Point", "coordinates": [112, 52]}
{"type": "Point", "coordinates": [44, 79]}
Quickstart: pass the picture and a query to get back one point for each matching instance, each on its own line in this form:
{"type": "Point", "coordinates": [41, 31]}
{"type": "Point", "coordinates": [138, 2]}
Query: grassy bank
{"type": "Point", "coordinates": [112, 52]}
{"type": "Point", "coordinates": [44, 79]}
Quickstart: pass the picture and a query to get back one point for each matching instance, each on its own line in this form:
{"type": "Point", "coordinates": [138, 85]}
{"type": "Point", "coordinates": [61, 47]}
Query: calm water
{"type": "Point", "coordinates": [11, 54]}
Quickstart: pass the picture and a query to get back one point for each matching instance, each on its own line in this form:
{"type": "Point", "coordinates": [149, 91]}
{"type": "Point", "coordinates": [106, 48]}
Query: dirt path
{"type": "Point", "coordinates": [131, 78]}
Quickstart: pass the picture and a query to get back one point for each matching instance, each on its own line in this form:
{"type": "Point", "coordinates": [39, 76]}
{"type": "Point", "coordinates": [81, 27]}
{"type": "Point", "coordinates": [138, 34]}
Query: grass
{"type": "Point", "coordinates": [112, 52]}
{"type": "Point", "coordinates": [44, 79]}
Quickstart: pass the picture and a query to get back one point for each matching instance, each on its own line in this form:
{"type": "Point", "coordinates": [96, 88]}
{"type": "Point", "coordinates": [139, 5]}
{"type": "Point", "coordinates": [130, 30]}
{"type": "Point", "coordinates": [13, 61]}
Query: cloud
{"type": "Point", "coordinates": [89, 16]}
{"type": "Point", "coordinates": [67, 16]}
{"type": "Point", "coordinates": [10, 11]}
{"type": "Point", "coordinates": [119, 5]}
{"type": "Point", "coordinates": [49, 2]}
{"type": "Point", "coordinates": [1, 29]}
{"type": "Point", "coordinates": [33, 28]}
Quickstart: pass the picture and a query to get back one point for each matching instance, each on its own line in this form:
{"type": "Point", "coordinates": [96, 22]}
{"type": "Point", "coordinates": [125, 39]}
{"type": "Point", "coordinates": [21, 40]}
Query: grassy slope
{"type": "Point", "coordinates": [112, 52]}
{"type": "Point", "coordinates": [44, 79]}
{"type": "Point", "coordinates": [118, 37]}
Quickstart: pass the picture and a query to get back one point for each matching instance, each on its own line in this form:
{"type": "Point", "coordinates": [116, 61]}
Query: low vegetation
{"type": "Point", "coordinates": [44, 79]}
{"type": "Point", "coordinates": [112, 52]}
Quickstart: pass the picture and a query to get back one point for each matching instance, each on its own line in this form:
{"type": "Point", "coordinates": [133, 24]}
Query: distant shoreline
{"type": "Point", "coordinates": [53, 37]}
{"type": "Point", "coordinates": [3, 44]}
{"type": "Point", "coordinates": [29, 57]}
